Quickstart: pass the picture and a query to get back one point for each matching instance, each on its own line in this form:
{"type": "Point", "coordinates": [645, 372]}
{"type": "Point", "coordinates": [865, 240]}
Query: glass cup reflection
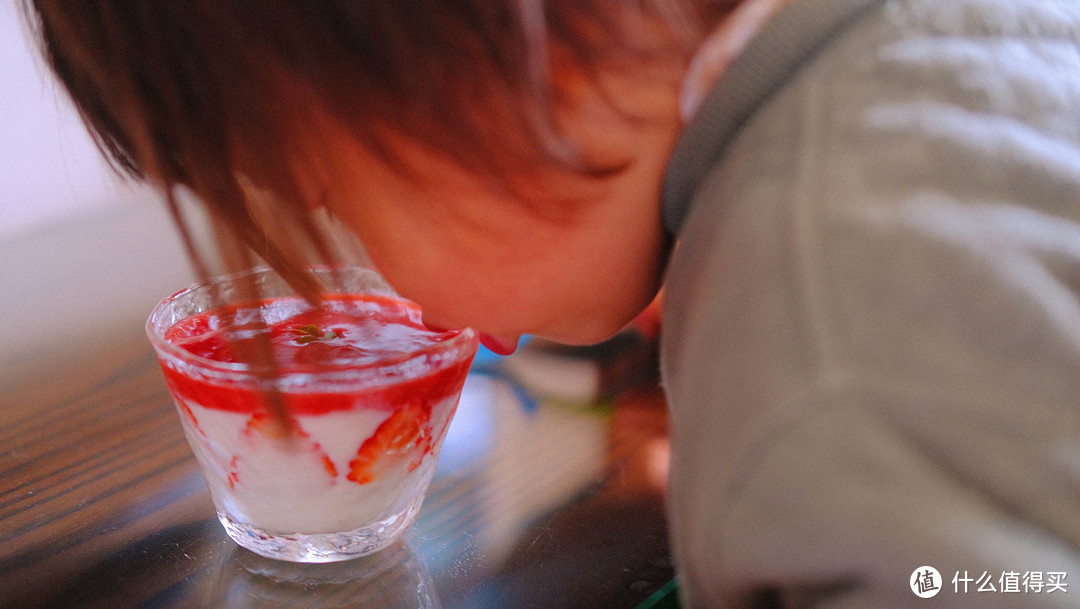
{"type": "Point", "coordinates": [394, 578]}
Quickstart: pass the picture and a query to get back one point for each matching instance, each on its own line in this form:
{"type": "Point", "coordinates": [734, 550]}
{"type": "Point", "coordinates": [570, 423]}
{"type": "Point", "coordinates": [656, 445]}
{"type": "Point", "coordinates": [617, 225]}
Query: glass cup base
{"type": "Point", "coordinates": [321, 547]}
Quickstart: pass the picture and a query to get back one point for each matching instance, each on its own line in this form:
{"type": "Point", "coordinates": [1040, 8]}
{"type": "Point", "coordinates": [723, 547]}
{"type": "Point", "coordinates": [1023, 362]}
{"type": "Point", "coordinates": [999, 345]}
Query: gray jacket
{"type": "Point", "coordinates": [872, 322]}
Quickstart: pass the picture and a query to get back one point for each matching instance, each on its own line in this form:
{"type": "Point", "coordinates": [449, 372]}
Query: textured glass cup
{"type": "Point", "coordinates": [346, 476]}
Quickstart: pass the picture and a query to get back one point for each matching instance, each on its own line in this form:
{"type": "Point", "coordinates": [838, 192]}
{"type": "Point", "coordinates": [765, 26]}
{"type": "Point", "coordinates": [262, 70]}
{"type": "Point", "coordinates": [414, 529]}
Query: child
{"type": "Point", "coordinates": [867, 214]}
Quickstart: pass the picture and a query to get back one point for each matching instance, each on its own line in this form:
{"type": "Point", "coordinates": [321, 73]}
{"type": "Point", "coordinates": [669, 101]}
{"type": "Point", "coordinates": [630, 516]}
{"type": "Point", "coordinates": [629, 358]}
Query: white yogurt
{"type": "Point", "coordinates": [299, 484]}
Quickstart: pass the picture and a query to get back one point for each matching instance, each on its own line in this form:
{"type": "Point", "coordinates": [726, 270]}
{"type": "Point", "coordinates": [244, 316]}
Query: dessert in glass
{"type": "Point", "coordinates": [325, 450]}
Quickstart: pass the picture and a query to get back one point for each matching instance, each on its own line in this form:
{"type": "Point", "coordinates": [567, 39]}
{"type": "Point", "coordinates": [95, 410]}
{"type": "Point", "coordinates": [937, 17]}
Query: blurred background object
{"type": "Point", "coordinates": [50, 168]}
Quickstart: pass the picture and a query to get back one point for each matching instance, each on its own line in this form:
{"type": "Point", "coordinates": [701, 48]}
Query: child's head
{"type": "Point", "coordinates": [500, 159]}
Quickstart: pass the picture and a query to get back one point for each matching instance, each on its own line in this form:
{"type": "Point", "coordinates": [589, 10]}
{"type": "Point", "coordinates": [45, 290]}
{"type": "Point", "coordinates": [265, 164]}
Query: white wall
{"type": "Point", "coordinates": [49, 166]}
{"type": "Point", "coordinates": [82, 257]}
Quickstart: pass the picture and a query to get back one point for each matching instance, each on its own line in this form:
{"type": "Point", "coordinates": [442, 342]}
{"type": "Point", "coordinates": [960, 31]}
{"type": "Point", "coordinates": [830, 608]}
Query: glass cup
{"type": "Point", "coordinates": [368, 394]}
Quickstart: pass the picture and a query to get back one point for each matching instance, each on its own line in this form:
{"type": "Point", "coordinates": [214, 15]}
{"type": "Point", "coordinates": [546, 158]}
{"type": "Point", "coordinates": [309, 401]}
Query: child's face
{"type": "Point", "coordinates": [471, 256]}
{"type": "Point", "coordinates": [575, 265]}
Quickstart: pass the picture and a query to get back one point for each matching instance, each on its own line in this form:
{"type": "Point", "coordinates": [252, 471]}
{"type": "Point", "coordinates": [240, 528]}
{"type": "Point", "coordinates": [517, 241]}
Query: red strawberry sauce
{"type": "Point", "coordinates": [350, 333]}
{"type": "Point", "coordinates": [356, 332]}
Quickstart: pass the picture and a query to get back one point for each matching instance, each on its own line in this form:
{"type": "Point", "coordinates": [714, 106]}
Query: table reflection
{"type": "Point", "coordinates": [393, 578]}
{"type": "Point", "coordinates": [504, 466]}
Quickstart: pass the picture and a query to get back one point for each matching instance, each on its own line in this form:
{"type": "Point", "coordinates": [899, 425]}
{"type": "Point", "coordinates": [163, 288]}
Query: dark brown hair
{"type": "Point", "coordinates": [203, 94]}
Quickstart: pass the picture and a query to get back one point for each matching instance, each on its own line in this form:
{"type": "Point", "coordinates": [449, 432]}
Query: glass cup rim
{"type": "Point", "coordinates": [457, 348]}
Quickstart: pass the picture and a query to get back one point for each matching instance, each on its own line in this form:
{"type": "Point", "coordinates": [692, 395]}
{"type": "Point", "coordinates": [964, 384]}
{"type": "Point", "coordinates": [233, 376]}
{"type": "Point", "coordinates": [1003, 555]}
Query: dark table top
{"type": "Point", "coordinates": [548, 501]}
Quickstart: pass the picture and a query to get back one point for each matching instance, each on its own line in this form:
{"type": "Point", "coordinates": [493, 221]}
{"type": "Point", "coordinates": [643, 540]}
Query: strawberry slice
{"type": "Point", "coordinates": [405, 432]}
{"type": "Point", "coordinates": [327, 463]}
{"type": "Point", "coordinates": [191, 415]}
{"type": "Point", "coordinates": [265, 424]}
{"type": "Point", "coordinates": [234, 475]}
